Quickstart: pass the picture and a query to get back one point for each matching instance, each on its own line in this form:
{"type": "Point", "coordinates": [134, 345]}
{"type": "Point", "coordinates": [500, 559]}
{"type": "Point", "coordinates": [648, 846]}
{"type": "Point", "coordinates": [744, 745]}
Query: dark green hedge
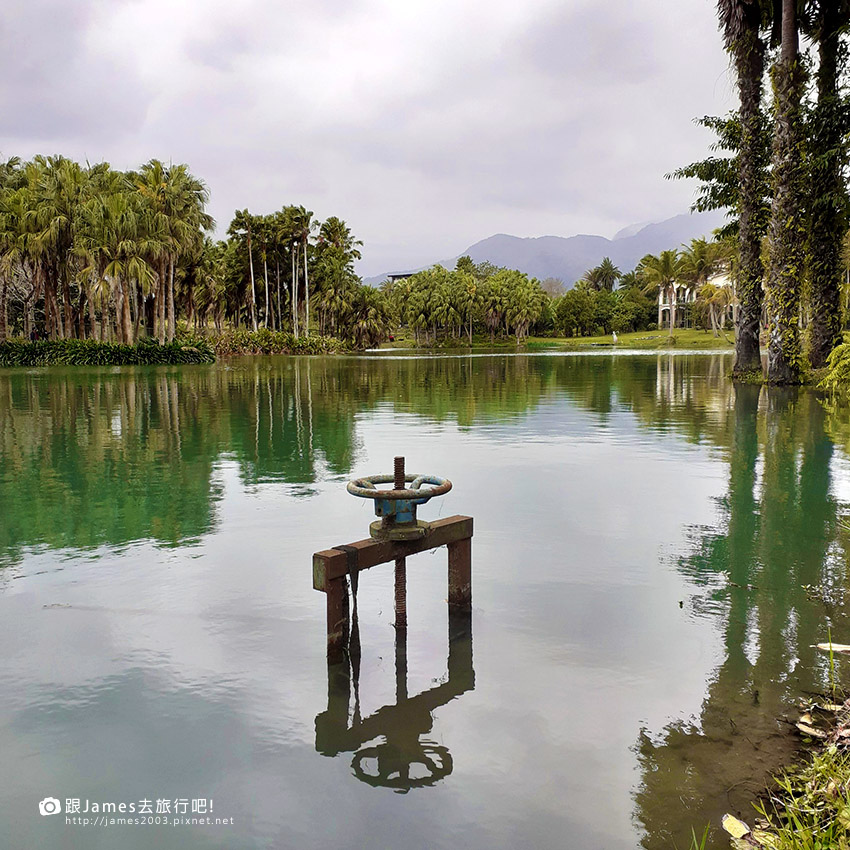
{"type": "Point", "coordinates": [265, 341]}
{"type": "Point", "coordinates": [88, 352]}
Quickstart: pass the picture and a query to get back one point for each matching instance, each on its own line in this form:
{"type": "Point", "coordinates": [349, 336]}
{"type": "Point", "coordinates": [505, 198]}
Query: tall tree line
{"type": "Point", "coordinates": [789, 199]}
{"type": "Point", "coordinates": [90, 252]}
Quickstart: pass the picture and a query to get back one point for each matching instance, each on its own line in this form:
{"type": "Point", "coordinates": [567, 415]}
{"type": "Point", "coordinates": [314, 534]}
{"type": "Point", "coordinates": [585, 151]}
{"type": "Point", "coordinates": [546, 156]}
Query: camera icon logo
{"type": "Point", "coordinates": [49, 806]}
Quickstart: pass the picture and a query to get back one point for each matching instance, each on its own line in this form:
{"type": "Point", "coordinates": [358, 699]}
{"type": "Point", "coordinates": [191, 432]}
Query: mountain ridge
{"type": "Point", "coordinates": [568, 257]}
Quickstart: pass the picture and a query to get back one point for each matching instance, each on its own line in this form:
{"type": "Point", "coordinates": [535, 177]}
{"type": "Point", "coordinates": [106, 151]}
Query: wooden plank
{"type": "Point", "coordinates": [338, 620]}
{"type": "Point", "coordinates": [332, 564]}
{"type": "Point", "coordinates": [460, 574]}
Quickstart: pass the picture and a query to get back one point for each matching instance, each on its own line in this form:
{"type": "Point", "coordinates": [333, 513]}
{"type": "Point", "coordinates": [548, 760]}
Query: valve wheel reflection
{"type": "Point", "coordinates": [390, 748]}
{"type": "Point", "coordinates": [396, 768]}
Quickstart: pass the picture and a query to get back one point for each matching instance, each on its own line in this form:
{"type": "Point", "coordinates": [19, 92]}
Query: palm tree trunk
{"type": "Point", "coordinates": [119, 312]}
{"type": "Point", "coordinates": [279, 322]}
{"type": "Point", "coordinates": [159, 304]}
{"type": "Point", "coordinates": [294, 293]}
{"type": "Point", "coordinates": [827, 221]}
{"type": "Point", "coordinates": [672, 293]}
{"type": "Point", "coordinates": [67, 308]}
{"type": "Point", "coordinates": [126, 320]}
{"type": "Point", "coordinates": [266, 274]}
{"type": "Point", "coordinates": [81, 314]}
{"type": "Point", "coordinates": [4, 316]}
{"type": "Point", "coordinates": [51, 325]}
{"type": "Point", "coordinates": [95, 329]}
{"type": "Point", "coordinates": [748, 51]}
{"type": "Point", "coordinates": [787, 226]}
{"type": "Point", "coordinates": [306, 293]}
{"type": "Point", "coordinates": [253, 289]}
{"type": "Point", "coordinates": [172, 319]}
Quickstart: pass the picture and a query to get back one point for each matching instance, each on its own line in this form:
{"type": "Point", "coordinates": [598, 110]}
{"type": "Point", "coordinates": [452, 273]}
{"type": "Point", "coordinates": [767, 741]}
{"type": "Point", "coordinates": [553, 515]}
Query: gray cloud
{"type": "Point", "coordinates": [426, 125]}
{"type": "Point", "coordinates": [53, 85]}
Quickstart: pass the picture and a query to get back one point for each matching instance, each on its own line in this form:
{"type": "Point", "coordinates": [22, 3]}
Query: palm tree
{"type": "Point", "coordinates": [60, 193]}
{"type": "Point", "coordinates": [10, 181]}
{"type": "Point", "coordinates": [469, 298]}
{"type": "Point", "coordinates": [494, 297]}
{"type": "Point", "coordinates": [117, 245]}
{"type": "Point", "coordinates": [661, 274]}
{"type": "Point", "coordinates": [700, 261]}
{"type": "Point", "coordinates": [602, 277]}
{"type": "Point", "coordinates": [741, 22]}
{"type": "Point", "coordinates": [787, 224]}
{"type": "Point", "coordinates": [175, 201]}
{"type": "Point", "coordinates": [303, 227]}
{"type": "Point", "coordinates": [608, 274]}
{"type": "Point", "coordinates": [242, 227]}
{"type": "Point", "coordinates": [828, 194]}
{"type": "Point", "coordinates": [334, 231]}
{"type": "Point", "coordinates": [370, 317]}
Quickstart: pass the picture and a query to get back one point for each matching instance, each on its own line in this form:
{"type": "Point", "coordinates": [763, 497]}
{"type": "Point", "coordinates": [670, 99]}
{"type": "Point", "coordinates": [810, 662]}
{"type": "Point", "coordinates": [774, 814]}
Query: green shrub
{"type": "Point", "coordinates": [265, 341]}
{"type": "Point", "coordinates": [89, 352]}
{"type": "Point", "coordinates": [837, 378]}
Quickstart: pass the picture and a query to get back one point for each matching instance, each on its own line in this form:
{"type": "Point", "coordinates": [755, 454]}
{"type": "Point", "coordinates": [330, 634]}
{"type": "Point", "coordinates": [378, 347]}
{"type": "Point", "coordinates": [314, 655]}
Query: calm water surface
{"type": "Point", "coordinates": [655, 553]}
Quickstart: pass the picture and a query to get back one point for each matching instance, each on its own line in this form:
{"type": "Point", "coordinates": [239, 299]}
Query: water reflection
{"type": "Point", "coordinates": [403, 758]}
{"type": "Point", "coordinates": [244, 461]}
{"type": "Point", "coordinates": [774, 574]}
{"type": "Point", "coordinates": [111, 456]}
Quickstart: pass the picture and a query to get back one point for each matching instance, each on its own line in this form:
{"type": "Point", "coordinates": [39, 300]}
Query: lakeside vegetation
{"type": "Point", "coordinates": [87, 352]}
{"type": "Point", "coordinates": [90, 253]}
{"type": "Point", "coordinates": [781, 176]}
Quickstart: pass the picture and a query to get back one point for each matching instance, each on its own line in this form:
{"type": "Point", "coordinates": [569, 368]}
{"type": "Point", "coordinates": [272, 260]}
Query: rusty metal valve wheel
{"type": "Point", "coordinates": [365, 488]}
{"type": "Point", "coordinates": [397, 507]}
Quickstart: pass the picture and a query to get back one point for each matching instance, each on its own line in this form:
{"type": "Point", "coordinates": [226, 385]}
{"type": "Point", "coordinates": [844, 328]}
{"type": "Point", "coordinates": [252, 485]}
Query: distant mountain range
{"type": "Point", "coordinates": [568, 258]}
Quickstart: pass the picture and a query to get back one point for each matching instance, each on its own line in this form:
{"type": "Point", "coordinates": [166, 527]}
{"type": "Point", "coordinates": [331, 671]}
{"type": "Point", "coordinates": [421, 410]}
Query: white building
{"type": "Point", "coordinates": [675, 301]}
{"type": "Point", "coordinates": [679, 298]}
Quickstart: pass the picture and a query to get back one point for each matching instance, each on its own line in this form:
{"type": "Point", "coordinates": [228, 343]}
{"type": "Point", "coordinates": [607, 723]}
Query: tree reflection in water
{"type": "Point", "coordinates": [774, 574]}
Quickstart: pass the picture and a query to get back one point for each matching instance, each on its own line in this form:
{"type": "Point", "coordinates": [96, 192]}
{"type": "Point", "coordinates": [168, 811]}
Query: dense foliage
{"type": "Point", "coordinates": [88, 352]}
{"type": "Point", "coordinates": [265, 341]}
{"type": "Point", "coordinates": [87, 252]}
{"type": "Point", "coordinates": [780, 170]}
{"type": "Point", "coordinates": [452, 303]}
{"type": "Point", "coordinates": [837, 378]}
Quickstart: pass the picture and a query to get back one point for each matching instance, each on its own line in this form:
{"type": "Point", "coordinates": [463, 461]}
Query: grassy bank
{"type": "Point", "coordinates": [806, 808]}
{"type": "Point", "coordinates": [685, 339]}
{"type": "Point", "coordinates": [87, 352]}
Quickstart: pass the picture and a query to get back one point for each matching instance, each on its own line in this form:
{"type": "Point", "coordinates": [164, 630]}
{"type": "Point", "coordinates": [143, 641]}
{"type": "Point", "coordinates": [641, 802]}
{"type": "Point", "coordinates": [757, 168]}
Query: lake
{"type": "Point", "coordinates": [655, 553]}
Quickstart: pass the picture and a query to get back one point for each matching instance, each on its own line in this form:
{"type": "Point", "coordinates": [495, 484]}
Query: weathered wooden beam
{"type": "Point", "coordinates": [460, 574]}
{"type": "Point", "coordinates": [338, 619]}
{"type": "Point", "coordinates": [331, 565]}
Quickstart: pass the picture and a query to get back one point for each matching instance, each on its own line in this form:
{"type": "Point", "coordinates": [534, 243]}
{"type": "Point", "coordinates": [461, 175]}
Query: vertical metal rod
{"type": "Point", "coordinates": [400, 564]}
{"type": "Point", "coordinates": [400, 594]}
{"type": "Point", "coordinates": [400, 665]}
{"type": "Point", "coordinates": [398, 470]}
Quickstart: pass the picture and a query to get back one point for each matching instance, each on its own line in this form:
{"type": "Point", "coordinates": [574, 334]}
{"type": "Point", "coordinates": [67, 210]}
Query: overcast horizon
{"type": "Point", "coordinates": [426, 126]}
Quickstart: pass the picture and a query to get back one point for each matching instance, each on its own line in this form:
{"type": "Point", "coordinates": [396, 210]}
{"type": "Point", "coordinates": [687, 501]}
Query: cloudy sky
{"type": "Point", "coordinates": [425, 125]}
